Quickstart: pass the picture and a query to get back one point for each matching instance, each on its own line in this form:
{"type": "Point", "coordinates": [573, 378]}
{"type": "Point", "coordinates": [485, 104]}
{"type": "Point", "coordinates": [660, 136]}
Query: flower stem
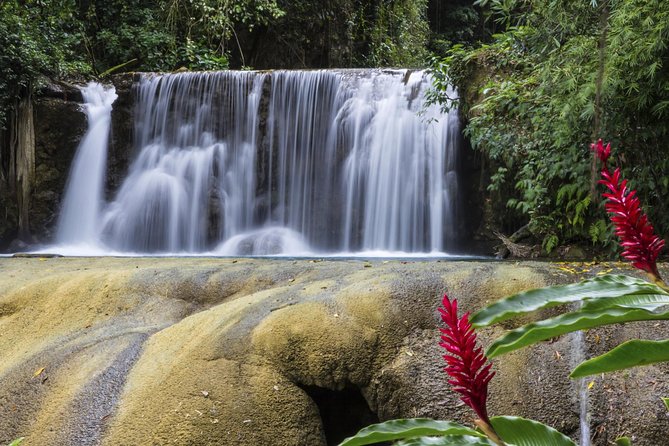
{"type": "Point", "coordinates": [490, 432]}
{"type": "Point", "coordinates": [657, 280]}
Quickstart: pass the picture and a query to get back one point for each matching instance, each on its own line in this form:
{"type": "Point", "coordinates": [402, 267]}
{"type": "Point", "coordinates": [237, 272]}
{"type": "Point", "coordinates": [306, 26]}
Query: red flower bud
{"type": "Point", "coordinates": [466, 363]}
{"type": "Point", "coordinates": [603, 153]}
{"type": "Point", "coordinates": [637, 237]}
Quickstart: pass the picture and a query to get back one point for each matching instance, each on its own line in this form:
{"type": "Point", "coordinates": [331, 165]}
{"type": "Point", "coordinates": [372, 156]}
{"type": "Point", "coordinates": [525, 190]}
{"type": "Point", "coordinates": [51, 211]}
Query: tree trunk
{"type": "Point", "coordinates": [22, 161]}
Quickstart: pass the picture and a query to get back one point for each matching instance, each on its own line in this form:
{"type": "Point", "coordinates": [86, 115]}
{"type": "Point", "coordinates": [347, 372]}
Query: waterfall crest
{"type": "Point", "coordinates": [285, 162]}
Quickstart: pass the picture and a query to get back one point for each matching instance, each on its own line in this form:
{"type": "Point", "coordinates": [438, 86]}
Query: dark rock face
{"type": "Point", "coordinates": [121, 147]}
{"type": "Point", "coordinates": [59, 124]}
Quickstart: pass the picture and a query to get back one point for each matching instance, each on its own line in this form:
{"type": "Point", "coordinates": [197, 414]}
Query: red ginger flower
{"type": "Point", "coordinates": [637, 237]}
{"type": "Point", "coordinates": [465, 360]}
{"type": "Point", "coordinates": [602, 152]}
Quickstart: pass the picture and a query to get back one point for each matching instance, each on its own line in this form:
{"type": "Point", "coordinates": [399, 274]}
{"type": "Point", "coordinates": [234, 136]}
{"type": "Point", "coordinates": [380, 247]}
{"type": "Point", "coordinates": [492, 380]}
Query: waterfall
{"type": "Point", "coordinates": [285, 162]}
{"type": "Point", "coordinates": [194, 178]}
{"type": "Point", "coordinates": [78, 222]}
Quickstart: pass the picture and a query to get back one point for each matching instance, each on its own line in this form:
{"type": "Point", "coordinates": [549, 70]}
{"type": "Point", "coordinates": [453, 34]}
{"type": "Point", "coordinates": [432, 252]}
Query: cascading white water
{"type": "Point", "coordinates": [78, 222]}
{"type": "Point", "coordinates": [399, 178]}
{"type": "Point", "coordinates": [361, 163]}
{"type": "Point", "coordinates": [249, 163]}
{"type": "Point", "coordinates": [196, 167]}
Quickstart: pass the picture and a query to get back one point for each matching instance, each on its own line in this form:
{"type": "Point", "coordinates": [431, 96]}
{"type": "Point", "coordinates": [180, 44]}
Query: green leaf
{"type": "Point", "coordinates": [17, 442]}
{"type": "Point", "coordinates": [578, 320]}
{"type": "Point", "coordinates": [666, 402]}
{"type": "Point", "coordinates": [406, 429]}
{"type": "Point", "coordinates": [623, 441]}
{"type": "Point", "coordinates": [448, 440]}
{"type": "Point", "coordinates": [628, 354]}
{"type": "Point", "coordinates": [518, 431]}
{"type": "Point", "coordinates": [650, 302]}
{"type": "Point", "coordinates": [609, 286]}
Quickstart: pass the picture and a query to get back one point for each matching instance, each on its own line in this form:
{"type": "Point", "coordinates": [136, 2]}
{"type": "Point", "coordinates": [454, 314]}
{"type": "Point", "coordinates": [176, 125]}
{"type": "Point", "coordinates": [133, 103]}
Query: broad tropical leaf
{"type": "Point", "coordinates": [650, 302]}
{"type": "Point", "coordinates": [628, 354]}
{"type": "Point", "coordinates": [518, 431]}
{"type": "Point", "coordinates": [16, 442]}
{"type": "Point", "coordinates": [666, 402]}
{"type": "Point", "coordinates": [407, 429]}
{"type": "Point", "coordinates": [603, 287]}
{"type": "Point", "coordinates": [623, 441]}
{"type": "Point", "coordinates": [566, 323]}
{"type": "Point", "coordinates": [448, 440]}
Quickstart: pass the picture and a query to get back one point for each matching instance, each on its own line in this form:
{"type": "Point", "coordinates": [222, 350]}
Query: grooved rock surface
{"type": "Point", "coordinates": [198, 351]}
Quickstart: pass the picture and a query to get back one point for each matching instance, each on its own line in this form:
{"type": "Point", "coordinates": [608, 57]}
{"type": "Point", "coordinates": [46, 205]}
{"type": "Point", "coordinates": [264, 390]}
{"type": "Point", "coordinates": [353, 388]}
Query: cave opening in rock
{"type": "Point", "coordinates": [343, 412]}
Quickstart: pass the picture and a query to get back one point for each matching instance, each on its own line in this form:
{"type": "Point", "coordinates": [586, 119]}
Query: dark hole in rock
{"type": "Point", "coordinates": [343, 412]}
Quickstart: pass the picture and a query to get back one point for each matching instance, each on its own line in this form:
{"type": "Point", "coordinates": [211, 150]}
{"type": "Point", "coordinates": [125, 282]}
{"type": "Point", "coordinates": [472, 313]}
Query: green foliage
{"type": "Point", "coordinates": [453, 22]}
{"type": "Point", "coordinates": [601, 287]}
{"type": "Point", "coordinates": [400, 34]}
{"type": "Point", "coordinates": [449, 440]}
{"type": "Point", "coordinates": [552, 77]}
{"type": "Point", "coordinates": [514, 431]}
{"type": "Point", "coordinates": [407, 429]}
{"type": "Point", "coordinates": [611, 299]}
{"type": "Point", "coordinates": [519, 431]}
{"type": "Point", "coordinates": [168, 34]}
{"type": "Point", "coordinates": [634, 353]}
{"type": "Point", "coordinates": [37, 38]}
{"type": "Point", "coordinates": [118, 32]}
{"type": "Point", "coordinates": [16, 442]}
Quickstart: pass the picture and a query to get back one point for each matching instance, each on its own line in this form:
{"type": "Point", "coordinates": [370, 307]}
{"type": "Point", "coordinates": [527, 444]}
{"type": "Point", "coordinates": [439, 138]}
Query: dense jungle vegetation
{"type": "Point", "coordinates": [538, 79]}
{"type": "Point", "coordinates": [547, 78]}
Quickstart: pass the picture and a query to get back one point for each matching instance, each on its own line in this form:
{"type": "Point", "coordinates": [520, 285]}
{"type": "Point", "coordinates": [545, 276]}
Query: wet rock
{"type": "Point", "coordinates": [130, 347]}
{"type": "Point", "coordinates": [59, 125]}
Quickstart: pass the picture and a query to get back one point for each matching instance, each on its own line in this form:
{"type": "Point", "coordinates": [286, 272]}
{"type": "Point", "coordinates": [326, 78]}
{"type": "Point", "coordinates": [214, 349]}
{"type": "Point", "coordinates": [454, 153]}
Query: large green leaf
{"type": "Point", "coordinates": [609, 286]}
{"type": "Point", "coordinates": [566, 323]}
{"type": "Point", "coordinates": [448, 440]}
{"type": "Point", "coordinates": [518, 431]}
{"type": "Point", "coordinates": [666, 402]}
{"type": "Point", "coordinates": [406, 429]}
{"type": "Point", "coordinates": [16, 442]}
{"type": "Point", "coordinates": [650, 302]}
{"type": "Point", "coordinates": [623, 441]}
{"type": "Point", "coordinates": [628, 354]}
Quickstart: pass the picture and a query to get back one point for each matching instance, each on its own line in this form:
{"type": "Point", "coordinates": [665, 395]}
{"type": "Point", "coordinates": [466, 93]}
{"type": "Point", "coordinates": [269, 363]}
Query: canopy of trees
{"type": "Point", "coordinates": [545, 80]}
{"type": "Point", "coordinates": [538, 79]}
{"type": "Point", "coordinates": [59, 38]}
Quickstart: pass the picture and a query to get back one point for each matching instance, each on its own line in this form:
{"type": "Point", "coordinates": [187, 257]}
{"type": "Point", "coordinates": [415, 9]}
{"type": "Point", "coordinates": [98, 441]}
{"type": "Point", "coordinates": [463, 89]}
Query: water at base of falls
{"type": "Point", "coordinates": [281, 163]}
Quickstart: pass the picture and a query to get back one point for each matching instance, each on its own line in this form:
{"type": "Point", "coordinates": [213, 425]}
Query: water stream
{"type": "Point", "coordinates": [582, 388]}
{"type": "Point", "coordinates": [79, 221]}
